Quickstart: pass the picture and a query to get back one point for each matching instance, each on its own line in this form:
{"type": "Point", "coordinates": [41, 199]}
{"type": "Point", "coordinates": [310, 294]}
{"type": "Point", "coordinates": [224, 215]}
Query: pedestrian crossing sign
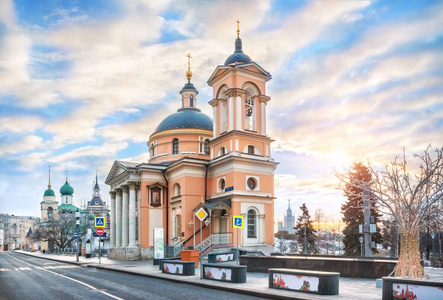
{"type": "Point", "coordinates": [99, 221]}
{"type": "Point", "coordinates": [237, 222]}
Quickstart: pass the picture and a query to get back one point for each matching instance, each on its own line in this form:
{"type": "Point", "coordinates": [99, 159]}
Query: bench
{"type": "Point", "coordinates": [157, 261]}
{"type": "Point", "coordinates": [228, 273]}
{"type": "Point", "coordinates": [322, 283]}
{"type": "Point", "coordinates": [220, 257]}
{"type": "Point", "coordinates": [178, 267]}
{"type": "Point", "coordinates": [408, 288]}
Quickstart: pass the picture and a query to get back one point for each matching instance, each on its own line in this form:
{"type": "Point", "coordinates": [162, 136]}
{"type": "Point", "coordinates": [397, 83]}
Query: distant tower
{"type": "Point", "coordinates": [49, 205]}
{"type": "Point", "coordinates": [48, 212]}
{"type": "Point", "coordinates": [289, 219]}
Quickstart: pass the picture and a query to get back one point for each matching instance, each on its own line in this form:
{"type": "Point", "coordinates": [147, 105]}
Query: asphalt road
{"type": "Point", "coordinates": [26, 277]}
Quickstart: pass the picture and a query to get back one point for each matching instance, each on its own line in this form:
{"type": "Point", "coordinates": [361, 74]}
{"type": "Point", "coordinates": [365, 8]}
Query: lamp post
{"type": "Point", "coordinates": [77, 223]}
{"type": "Point", "coordinates": [361, 245]}
{"type": "Point", "coordinates": [304, 220]}
{"type": "Point", "coordinates": [433, 250]}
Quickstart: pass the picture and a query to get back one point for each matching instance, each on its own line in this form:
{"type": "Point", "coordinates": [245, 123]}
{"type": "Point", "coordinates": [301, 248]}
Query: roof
{"type": "Point", "coordinates": [186, 117]}
{"type": "Point", "coordinates": [69, 208]}
{"type": "Point", "coordinates": [96, 199]}
{"type": "Point", "coordinates": [66, 189]}
{"type": "Point", "coordinates": [238, 57]}
{"type": "Point", "coordinates": [49, 192]}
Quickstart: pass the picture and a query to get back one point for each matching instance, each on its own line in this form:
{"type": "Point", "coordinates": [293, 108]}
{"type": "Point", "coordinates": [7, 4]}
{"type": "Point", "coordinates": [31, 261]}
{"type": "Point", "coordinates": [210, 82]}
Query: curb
{"type": "Point", "coordinates": [233, 289]}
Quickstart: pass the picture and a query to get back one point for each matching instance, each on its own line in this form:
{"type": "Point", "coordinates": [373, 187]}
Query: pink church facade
{"type": "Point", "coordinates": [222, 165]}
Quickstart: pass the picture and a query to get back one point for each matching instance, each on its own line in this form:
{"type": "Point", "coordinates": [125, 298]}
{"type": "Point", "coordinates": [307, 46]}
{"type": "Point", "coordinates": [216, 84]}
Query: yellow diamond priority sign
{"type": "Point", "coordinates": [201, 214]}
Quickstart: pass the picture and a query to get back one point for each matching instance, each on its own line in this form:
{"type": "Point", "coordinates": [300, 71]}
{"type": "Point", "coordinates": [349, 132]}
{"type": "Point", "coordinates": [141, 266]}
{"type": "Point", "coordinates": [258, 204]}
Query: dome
{"type": "Point", "coordinates": [238, 56]}
{"type": "Point", "coordinates": [91, 217]}
{"type": "Point", "coordinates": [49, 192]}
{"type": "Point", "coordinates": [187, 117]}
{"type": "Point", "coordinates": [66, 189]}
{"type": "Point", "coordinates": [96, 201]}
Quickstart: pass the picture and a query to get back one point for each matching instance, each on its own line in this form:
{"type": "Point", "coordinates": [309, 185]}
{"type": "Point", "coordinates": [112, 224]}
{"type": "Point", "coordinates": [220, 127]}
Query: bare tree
{"type": "Point", "coordinates": [61, 231]}
{"type": "Point", "coordinates": [408, 195]}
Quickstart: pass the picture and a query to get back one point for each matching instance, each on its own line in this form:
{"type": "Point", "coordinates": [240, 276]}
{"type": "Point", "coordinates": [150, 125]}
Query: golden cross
{"type": "Point", "coordinates": [189, 61]}
{"type": "Point", "coordinates": [238, 28]}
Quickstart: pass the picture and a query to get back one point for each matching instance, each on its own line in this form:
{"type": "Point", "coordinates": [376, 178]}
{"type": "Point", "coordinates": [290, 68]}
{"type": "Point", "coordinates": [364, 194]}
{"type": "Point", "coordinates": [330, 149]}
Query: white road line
{"type": "Point", "coordinates": [75, 280]}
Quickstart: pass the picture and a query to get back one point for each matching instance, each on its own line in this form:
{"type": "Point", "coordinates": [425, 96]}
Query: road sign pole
{"type": "Point", "coordinates": [99, 250]}
{"type": "Point", "coordinates": [237, 246]}
{"type": "Point", "coordinates": [201, 251]}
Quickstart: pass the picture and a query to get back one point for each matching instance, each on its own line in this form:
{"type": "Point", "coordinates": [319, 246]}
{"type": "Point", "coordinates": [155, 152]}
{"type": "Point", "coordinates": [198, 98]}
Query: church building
{"type": "Point", "coordinates": [222, 165]}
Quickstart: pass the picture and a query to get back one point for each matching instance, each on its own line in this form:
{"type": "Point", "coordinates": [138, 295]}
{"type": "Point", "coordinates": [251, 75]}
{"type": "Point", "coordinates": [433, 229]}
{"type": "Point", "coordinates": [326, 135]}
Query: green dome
{"type": "Point", "coordinates": [91, 217]}
{"type": "Point", "coordinates": [49, 192]}
{"type": "Point", "coordinates": [66, 189]}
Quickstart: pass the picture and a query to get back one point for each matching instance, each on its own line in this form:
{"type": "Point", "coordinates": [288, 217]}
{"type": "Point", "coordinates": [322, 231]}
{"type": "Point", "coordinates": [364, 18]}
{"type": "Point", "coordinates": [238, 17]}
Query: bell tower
{"type": "Point", "coordinates": [239, 105]}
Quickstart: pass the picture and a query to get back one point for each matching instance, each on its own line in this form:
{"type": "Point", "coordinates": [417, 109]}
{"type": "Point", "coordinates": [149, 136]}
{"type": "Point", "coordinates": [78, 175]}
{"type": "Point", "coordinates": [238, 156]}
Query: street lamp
{"type": "Point", "coordinates": [304, 220]}
{"type": "Point", "coordinates": [361, 245]}
{"type": "Point", "coordinates": [77, 223]}
{"type": "Point", "coordinates": [433, 249]}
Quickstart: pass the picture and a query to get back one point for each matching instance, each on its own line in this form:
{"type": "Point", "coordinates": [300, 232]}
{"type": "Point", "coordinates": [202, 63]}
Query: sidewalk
{"type": "Point", "coordinates": [256, 285]}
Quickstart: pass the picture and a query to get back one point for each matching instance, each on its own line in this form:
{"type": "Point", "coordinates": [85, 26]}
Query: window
{"type": "Point", "coordinates": [175, 149]}
{"type": "Point", "coordinates": [178, 225]}
{"type": "Point", "coordinates": [252, 228]}
{"type": "Point", "coordinates": [152, 150]}
{"type": "Point", "coordinates": [206, 147]}
{"type": "Point", "coordinates": [221, 151]}
{"type": "Point", "coordinates": [191, 101]}
{"type": "Point", "coordinates": [251, 149]}
{"type": "Point", "coordinates": [177, 190]}
{"type": "Point", "coordinates": [221, 184]}
{"type": "Point", "coordinates": [252, 184]}
{"type": "Point", "coordinates": [50, 216]}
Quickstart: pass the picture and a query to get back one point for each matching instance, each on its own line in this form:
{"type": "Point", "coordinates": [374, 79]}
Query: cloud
{"type": "Point", "coordinates": [29, 142]}
{"type": "Point", "coordinates": [21, 124]}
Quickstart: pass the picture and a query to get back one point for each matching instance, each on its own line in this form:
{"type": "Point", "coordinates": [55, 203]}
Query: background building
{"type": "Point", "coordinates": [289, 219]}
{"type": "Point", "coordinates": [14, 232]}
{"type": "Point", "coordinates": [222, 165]}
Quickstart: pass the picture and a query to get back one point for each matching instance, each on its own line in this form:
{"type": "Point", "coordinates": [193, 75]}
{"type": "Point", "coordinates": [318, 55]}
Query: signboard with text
{"type": "Point", "coordinates": [158, 243]}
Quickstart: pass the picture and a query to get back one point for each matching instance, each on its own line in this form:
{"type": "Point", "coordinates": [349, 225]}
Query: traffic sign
{"type": "Point", "coordinates": [99, 221]}
{"type": "Point", "coordinates": [99, 231]}
{"type": "Point", "coordinates": [237, 222]}
{"type": "Point", "coordinates": [201, 214]}
{"type": "Point", "coordinates": [75, 235]}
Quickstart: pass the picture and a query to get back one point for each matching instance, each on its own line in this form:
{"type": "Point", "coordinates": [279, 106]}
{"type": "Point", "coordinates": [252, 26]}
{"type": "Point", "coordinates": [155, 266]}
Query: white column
{"type": "Point", "coordinates": [261, 232]}
{"type": "Point", "coordinates": [118, 219]}
{"type": "Point", "coordinates": [132, 215]}
{"type": "Point", "coordinates": [112, 227]}
{"type": "Point", "coordinates": [125, 216]}
{"type": "Point", "coordinates": [263, 118]}
{"type": "Point", "coordinates": [214, 115]}
{"type": "Point", "coordinates": [238, 114]}
{"type": "Point", "coordinates": [231, 113]}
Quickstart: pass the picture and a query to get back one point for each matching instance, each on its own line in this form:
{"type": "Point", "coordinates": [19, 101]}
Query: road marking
{"type": "Point", "coordinates": [66, 277]}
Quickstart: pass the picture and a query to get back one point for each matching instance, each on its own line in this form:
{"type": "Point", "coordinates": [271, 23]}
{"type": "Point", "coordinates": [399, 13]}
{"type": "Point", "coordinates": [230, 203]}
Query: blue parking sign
{"type": "Point", "coordinates": [237, 222]}
{"type": "Point", "coordinates": [99, 221]}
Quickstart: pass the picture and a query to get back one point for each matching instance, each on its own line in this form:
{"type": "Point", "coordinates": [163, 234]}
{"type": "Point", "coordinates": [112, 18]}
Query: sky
{"type": "Point", "coordinates": [84, 83]}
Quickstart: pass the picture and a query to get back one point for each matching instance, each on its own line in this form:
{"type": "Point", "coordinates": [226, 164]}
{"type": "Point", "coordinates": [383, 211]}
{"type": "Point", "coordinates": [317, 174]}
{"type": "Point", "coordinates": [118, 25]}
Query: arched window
{"type": "Point", "coordinates": [50, 216]}
{"type": "Point", "coordinates": [152, 150]}
{"type": "Point", "coordinates": [252, 224]}
{"type": "Point", "coordinates": [175, 149]}
{"type": "Point", "coordinates": [206, 147]}
{"type": "Point", "coordinates": [177, 190]}
{"type": "Point", "coordinates": [191, 101]}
